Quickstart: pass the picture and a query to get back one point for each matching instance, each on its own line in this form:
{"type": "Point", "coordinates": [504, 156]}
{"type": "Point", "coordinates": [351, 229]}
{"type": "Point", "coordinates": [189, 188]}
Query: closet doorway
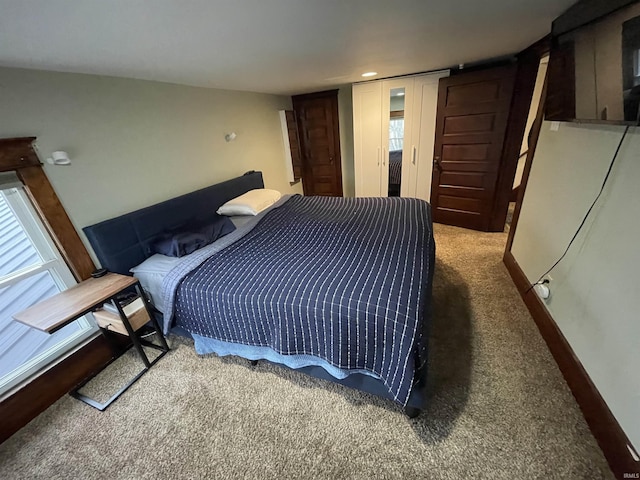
{"type": "Point", "coordinates": [393, 132]}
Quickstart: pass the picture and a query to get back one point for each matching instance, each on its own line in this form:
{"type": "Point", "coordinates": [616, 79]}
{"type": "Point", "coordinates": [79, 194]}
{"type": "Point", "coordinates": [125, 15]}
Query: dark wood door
{"type": "Point", "coordinates": [319, 133]}
{"type": "Point", "coordinates": [471, 122]}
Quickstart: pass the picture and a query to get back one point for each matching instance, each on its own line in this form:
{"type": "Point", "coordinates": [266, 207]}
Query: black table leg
{"type": "Point", "coordinates": [132, 335]}
{"type": "Point", "coordinates": [138, 344]}
{"type": "Point", "coordinates": [154, 322]}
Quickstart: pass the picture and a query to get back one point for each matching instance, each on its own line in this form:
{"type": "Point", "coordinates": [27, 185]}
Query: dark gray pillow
{"type": "Point", "coordinates": [192, 236]}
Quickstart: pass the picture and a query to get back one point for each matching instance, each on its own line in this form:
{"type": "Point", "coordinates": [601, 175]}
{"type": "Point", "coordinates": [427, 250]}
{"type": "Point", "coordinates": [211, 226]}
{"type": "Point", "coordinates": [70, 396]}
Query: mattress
{"type": "Point", "coordinates": [346, 281]}
{"type": "Point", "coordinates": [154, 270]}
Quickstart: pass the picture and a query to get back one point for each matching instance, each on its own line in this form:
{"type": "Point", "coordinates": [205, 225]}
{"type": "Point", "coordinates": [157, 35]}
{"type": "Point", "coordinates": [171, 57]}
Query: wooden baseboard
{"type": "Point", "coordinates": [605, 428]}
{"type": "Point", "coordinates": [44, 390]}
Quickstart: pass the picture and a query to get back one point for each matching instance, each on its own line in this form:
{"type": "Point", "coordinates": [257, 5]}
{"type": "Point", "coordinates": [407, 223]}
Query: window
{"type": "Point", "coordinates": [31, 269]}
{"type": "Point", "coordinates": [396, 134]}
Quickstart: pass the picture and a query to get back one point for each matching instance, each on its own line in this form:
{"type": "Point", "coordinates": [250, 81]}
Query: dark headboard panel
{"type": "Point", "coordinates": [122, 242]}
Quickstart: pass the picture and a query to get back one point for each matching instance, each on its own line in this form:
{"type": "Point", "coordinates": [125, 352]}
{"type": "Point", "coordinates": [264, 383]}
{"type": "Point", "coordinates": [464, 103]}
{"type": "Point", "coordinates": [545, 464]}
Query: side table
{"type": "Point", "coordinates": [59, 310]}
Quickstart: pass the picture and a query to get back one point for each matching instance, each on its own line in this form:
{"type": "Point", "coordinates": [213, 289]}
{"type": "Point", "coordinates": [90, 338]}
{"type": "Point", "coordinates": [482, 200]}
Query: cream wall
{"type": "Point", "coordinates": [134, 143]}
{"type": "Point", "coordinates": [595, 297]}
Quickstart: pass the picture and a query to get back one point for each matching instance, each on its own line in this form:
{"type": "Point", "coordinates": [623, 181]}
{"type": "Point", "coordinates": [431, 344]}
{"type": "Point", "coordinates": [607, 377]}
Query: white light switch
{"type": "Point", "coordinates": [555, 126]}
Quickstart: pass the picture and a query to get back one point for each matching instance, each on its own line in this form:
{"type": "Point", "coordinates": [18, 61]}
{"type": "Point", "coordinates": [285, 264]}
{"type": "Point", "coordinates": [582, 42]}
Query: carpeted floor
{"type": "Point", "coordinates": [499, 407]}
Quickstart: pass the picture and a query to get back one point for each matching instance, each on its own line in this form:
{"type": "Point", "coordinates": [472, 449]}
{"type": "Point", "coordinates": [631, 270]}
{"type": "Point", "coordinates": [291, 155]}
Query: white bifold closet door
{"type": "Point", "coordinates": [367, 138]}
{"type": "Point", "coordinates": [371, 121]}
{"type": "Point", "coordinates": [419, 166]}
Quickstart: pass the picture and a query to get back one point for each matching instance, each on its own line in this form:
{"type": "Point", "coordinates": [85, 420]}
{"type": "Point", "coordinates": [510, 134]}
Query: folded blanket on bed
{"type": "Point", "coordinates": [343, 279]}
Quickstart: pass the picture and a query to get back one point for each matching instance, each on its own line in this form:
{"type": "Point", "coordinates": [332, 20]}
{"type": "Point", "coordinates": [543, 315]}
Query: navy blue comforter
{"type": "Point", "coordinates": [344, 279]}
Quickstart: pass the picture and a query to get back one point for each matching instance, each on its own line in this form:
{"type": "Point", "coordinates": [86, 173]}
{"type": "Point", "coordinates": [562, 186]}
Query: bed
{"type": "Point", "coordinates": [336, 288]}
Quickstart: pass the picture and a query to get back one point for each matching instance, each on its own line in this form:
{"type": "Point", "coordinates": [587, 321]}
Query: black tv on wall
{"type": "Point", "coordinates": [594, 65]}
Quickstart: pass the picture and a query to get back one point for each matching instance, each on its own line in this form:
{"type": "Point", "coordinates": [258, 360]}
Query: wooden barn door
{"type": "Point", "coordinates": [471, 123]}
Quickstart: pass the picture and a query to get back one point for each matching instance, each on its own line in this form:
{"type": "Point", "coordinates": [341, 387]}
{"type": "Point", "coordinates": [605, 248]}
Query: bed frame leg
{"type": "Point", "coordinates": [412, 412]}
{"type": "Point", "coordinates": [254, 362]}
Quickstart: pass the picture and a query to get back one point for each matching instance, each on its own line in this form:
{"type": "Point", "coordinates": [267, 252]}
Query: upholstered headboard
{"type": "Point", "coordinates": [122, 242]}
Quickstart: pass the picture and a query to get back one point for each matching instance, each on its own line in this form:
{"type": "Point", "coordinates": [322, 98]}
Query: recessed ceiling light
{"type": "Point", "coordinates": [400, 94]}
{"type": "Point", "coordinates": [369, 74]}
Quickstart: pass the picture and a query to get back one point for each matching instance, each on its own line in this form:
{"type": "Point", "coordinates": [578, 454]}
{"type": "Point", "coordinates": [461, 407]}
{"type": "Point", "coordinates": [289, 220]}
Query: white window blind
{"type": "Point", "coordinates": [31, 269]}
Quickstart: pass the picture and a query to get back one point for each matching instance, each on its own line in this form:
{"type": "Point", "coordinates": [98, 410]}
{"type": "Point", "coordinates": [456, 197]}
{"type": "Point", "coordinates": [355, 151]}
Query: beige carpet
{"type": "Point", "coordinates": [499, 407]}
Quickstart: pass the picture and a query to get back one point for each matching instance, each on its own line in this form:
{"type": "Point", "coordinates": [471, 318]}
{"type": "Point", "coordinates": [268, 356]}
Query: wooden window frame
{"type": "Point", "coordinates": [18, 154]}
{"type": "Point", "coordinates": [22, 405]}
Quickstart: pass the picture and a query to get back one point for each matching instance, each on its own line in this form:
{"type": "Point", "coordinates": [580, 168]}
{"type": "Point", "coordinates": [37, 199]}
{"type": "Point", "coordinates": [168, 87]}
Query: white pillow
{"type": "Point", "coordinates": [250, 203]}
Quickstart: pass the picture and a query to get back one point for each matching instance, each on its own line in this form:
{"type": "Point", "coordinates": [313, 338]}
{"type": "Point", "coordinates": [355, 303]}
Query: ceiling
{"type": "Point", "coordinates": [273, 46]}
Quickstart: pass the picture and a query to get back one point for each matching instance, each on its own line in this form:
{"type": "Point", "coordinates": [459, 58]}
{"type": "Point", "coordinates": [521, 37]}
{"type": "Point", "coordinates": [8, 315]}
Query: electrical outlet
{"type": "Point", "coordinates": [555, 126]}
{"type": "Point", "coordinates": [542, 291]}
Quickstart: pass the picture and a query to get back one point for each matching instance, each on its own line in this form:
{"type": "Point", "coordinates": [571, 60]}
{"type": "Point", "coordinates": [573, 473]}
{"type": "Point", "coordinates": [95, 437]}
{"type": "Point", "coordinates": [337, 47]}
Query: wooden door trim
{"type": "Point", "coordinates": [291, 125]}
{"type": "Point", "coordinates": [315, 95]}
{"type": "Point", "coordinates": [18, 154]}
{"type": "Point", "coordinates": [336, 141]}
{"type": "Point", "coordinates": [533, 143]}
{"type": "Point", "coordinates": [526, 75]}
